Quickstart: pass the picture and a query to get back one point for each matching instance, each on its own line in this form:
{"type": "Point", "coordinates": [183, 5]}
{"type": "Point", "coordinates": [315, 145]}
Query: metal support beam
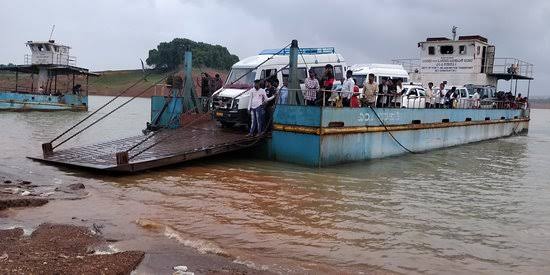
{"type": "Point", "coordinates": [295, 97]}
{"type": "Point", "coordinates": [528, 87]}
{"type": "Point", "coordinates": [189, 96]}
{"type": "Point", "coordinates": [16, 79]}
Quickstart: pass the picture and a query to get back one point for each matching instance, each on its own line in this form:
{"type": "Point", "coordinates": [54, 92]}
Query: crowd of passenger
{"type": "Point", "coordinates": [325, 91]}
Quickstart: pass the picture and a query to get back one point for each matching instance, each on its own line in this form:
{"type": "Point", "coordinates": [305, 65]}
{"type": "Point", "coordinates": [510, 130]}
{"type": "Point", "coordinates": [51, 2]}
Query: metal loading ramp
{"type": "Point", "coordinates": [169, 147]}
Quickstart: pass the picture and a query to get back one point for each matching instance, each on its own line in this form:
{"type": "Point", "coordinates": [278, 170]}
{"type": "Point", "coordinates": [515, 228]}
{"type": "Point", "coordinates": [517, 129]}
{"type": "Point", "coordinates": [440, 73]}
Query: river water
{"type": "Point", "coordinates": [478, 208]}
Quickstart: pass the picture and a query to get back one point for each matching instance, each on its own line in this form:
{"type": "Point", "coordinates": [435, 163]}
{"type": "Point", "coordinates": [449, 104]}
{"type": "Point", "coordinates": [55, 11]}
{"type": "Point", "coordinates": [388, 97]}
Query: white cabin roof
{"type": "Point", "coordinates": [51, 42]}
{"type": "Point", "coordinates": [278, 60]}
{"type": "Point", "coordinates": [384, 69]}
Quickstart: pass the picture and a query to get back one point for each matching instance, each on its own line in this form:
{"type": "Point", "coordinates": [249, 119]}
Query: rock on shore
{"type": "Point", "coordinates": [61, 249]}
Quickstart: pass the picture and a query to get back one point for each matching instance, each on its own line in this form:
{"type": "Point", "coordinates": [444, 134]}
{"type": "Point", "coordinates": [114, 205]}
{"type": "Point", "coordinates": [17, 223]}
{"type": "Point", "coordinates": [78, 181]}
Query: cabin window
{"type": "Point", "coordinates": [447, 49]}
{"type": "Point", "coordinates": [478, 50]}
{"type": "Point", "coordinates": [431, 50]}
{"type": "Point", "coordinates": [55, 48]}
{"type": "Point", "coordinates": [462, 49]}
{"type": "Point", "coordinates": [301, 74]}
{"type": "Point", "coordinates": [338, 72]}
{"type": "Point", "coordinates": [47, 48]}
{"type": "Point", "coordinates": [39, 47]}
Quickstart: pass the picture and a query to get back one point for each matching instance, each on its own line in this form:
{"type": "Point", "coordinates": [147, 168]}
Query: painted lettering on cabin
{"type": "Point", "coordinates": [446, 64]}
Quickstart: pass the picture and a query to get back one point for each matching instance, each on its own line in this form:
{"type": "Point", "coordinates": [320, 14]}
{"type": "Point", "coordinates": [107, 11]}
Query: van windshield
{"type": "Point", "coordinates": [241, 78]}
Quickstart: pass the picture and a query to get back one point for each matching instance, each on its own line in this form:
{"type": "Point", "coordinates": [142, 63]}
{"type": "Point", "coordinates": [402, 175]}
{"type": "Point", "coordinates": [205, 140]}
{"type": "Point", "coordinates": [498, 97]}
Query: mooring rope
{"type": "Point", "coordinates": [390, 133]}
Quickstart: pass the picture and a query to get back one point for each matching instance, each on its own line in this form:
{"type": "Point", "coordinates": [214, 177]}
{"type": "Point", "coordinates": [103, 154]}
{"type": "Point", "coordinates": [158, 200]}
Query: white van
{"type": "Point", "coordinates": [230, 103]}
{"type": "Point", "coordinates": [380, 71]}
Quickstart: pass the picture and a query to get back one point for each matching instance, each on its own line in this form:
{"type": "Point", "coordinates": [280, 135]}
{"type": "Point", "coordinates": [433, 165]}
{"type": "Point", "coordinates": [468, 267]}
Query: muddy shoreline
{"type": "Point", "coordinates": [86, 247]}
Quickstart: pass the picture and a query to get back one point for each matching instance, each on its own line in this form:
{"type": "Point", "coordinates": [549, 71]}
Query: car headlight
{"type": "Point", "coordinates": [235, 104]}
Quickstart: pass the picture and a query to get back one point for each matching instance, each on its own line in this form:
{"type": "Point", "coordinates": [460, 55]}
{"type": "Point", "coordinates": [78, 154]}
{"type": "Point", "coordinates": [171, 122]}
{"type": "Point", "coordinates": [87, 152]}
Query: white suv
{"type": "Point", "coordinates": [413, 96]}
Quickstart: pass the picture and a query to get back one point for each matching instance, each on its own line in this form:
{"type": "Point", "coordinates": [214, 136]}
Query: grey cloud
{"type": "Point", "coordinates": [114, 34]}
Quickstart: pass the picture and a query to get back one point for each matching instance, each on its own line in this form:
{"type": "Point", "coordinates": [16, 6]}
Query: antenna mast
{"type": "Point", "coordinates": [51, 33]}
{"type": "Point", "coordinates": [454, 32]}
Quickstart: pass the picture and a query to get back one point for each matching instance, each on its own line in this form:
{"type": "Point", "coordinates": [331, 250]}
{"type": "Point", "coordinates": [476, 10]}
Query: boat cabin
{"type": "Point", "coordinates": [52, 71]}
{"type": "Point", "coordinates": [49, 53]}
{"type": "Point", "coordinates": [470, 59]}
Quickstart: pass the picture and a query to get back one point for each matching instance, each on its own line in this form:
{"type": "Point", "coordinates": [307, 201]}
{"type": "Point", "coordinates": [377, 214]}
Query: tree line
{"type": "Point", "coordinates": [169, 55]}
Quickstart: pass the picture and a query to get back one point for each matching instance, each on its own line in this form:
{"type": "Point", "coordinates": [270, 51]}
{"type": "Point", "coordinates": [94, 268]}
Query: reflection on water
{"type": "Point", "coordinates": [481, 207]}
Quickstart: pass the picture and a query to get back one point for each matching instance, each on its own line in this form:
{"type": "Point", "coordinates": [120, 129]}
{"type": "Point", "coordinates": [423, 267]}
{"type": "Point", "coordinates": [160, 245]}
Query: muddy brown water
{"type": "Point", "coordinates": [478, 208]}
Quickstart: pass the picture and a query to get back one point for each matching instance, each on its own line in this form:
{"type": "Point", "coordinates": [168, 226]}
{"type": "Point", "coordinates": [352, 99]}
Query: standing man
{"type": "Point", "coordinates": [370, 90]}
{"type": "Point", "coordinates": [205, 85]}
{"type": "Point", "coordinates": [271, 92]}
{"type": "Point", "coordinates": [283, 92]}
{"type": "Point", "coordinates": [218, 82]}
{"type": "Point", "coordinates": [449, 97]}
{"type": "Point", "coordinates": [347, 89]}
{"type": "Point", "coordinates": [258, 98]}
{"type": "Point", "coordinates": [312, 88]}
{"type": "Point", "coordinates": [383, 89]}
{"type": "Point", "coordinates": [441, 96]}
{"type": "Point", "coordinates": [429, 95]}
{"type": "Point", "coordinates": [326, 85]}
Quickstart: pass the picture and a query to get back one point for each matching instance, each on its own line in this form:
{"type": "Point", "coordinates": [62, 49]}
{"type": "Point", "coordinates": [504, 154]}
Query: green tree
{"type": "Point", "coordinates": [168, 55]}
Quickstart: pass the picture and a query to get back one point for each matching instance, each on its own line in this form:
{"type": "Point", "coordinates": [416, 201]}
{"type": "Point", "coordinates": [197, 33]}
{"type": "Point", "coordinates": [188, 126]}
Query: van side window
{"type": "Point", "coordinates": [319, 72]}
{"type": "Point", "coordinates": [431, 50]}
{"type": "Point", "coordinates": [338, 73]}
{"type": "Point", "coordinates": [301, 75]}
{"type": "Point", "coordinates": [447, 49]}
{"type": "Point", "coordinates": [462, 49]}
{"type": "Point", "coordinates": [268, 73]}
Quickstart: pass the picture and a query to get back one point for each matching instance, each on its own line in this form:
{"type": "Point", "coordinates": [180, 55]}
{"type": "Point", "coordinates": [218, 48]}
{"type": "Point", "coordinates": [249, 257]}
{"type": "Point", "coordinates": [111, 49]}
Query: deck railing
{"type": "Point", "coordinates": [333, 98]}
{"type": "Point", "coordinates": [68, 60]}
{"type": "Point", "coordinates": [510, 65]}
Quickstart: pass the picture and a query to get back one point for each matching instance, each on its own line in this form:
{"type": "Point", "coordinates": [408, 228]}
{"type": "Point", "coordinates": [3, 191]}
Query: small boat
{"type": "Point", "coordinates": [55, 82]}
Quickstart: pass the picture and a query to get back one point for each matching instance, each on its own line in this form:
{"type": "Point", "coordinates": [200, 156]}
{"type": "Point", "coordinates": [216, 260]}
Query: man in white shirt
{"type": "Point", "coordinates": [430, 96]}
{"type": "Point", "coordinates": [258, 98]}
{"type": "Point", "coordinates": [347, 88]}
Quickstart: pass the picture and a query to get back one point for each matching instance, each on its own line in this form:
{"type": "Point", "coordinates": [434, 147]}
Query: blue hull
{"type": "Point", "coordinates": [35, 102]}
{"type": "Point", "coordinates": [317, 136]}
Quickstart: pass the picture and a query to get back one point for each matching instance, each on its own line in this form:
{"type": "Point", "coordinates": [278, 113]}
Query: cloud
{"type": "Point", "coordinates": [115, 34]}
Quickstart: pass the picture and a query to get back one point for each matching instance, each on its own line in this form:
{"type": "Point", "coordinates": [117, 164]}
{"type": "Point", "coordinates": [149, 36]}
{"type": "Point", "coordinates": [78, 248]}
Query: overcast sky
{"type": "Point", "coordinates": [114, 34]}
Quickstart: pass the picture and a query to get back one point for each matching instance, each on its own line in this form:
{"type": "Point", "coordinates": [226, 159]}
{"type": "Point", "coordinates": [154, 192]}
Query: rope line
{"type": "Point", "coordinates": [109, 113]}
{"type": "Point", "coordinates": [389, 132]}
{"type": "Point", "coordinates": [103, 106]}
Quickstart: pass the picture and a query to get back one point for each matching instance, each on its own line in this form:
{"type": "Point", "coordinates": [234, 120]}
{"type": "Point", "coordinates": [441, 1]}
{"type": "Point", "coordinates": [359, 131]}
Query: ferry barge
{"type": "Point", "coordinates": [55, 83]}
{"type": "Point", "coordinates": [323, 135]}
